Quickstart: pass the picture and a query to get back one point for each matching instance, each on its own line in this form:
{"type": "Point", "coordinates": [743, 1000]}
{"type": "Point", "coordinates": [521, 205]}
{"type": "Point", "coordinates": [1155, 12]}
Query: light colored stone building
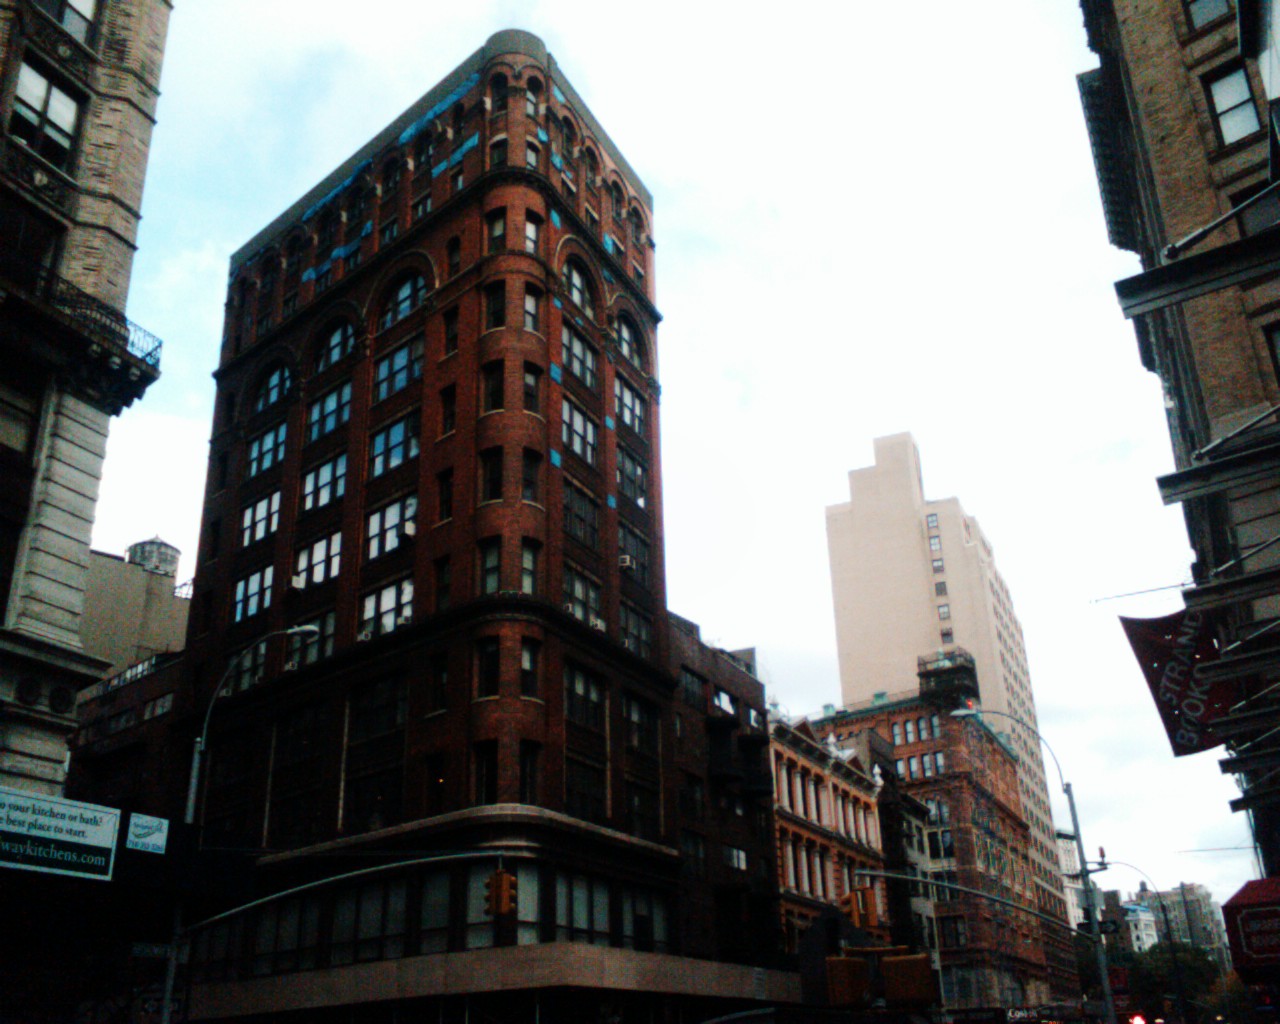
{"type": "Point", "coordinates": [81, 82]}
{"type": "Point", "coordinates": [133, 611]}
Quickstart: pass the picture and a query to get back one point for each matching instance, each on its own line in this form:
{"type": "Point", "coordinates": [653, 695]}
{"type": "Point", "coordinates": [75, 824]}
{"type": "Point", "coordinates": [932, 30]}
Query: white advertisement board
{"type": "Point", "coordinates": [56, 836]}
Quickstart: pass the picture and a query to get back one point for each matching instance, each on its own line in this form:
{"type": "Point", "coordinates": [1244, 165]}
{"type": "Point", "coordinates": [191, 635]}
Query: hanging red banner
{"type": "Point", "coordinates": [1171, 650]}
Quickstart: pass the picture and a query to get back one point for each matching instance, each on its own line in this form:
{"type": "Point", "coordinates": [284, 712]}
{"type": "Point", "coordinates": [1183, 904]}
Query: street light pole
{"type": "Point", "coordinates": [193, 789]}
{"type": "Point", "coordinates": [1099, 947]}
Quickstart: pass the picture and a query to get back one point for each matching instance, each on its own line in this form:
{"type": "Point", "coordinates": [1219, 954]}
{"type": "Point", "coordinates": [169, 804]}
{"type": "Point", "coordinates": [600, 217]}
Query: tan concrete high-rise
{"type": "Point", "coordinates": [910, 576]}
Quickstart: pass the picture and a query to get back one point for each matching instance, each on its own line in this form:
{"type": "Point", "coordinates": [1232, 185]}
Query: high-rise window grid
{"type": "Point", "coordinates": [581, 515]}
{"type": "Point", "coordinates": [584, 697]}
{"type": "Point", "coordinates": [387, 608]}
{"type": "Point", "coordinates": [631, 405]}
{"type": "Point", "coordinates": [393, 445]}
{"type": "Point", "coordinates": [578, 355]}
{"type": "Point", "coordinates": [631, 477]}
{"type": "Point", "coordinates": [531, 476]}
{"type": "Point", "coordinates": [491, 474]}
{"type": "Point", "coordinates": [266, 450]}
{"type": "Point", "coordinates": [305, 649]}
{"type": "Point", "coordinates": [252, 594]}
{"type": "Point", "coordinates": [490, 558]}
{"type": "Point", "coordinates": [260, 519]}
{"type": "Point", "coordinates": [337, 344]}
{"type": "Point", "coordinates": [529, 550]}
{"type": "Point", "coordinates": [407, 296]}
{"type": "Point", "coordinates": [635, 549]}
{"type": "Point", "coordinates": [318, 561]}
{"type": "Point", "coordinates": [46, 117]}
{"type": "Point", "coordinates": [581, 595]}
{"type": "Point", "coordinates": [325, 483]}
{"type": "Point", "coordinates": [389, 526]}
{"type": "Point", "coordinates": [329, 411]}
{"type": "Point", "coordinates": [397, 369]}
{"type": "Point", "coordinates": [635, 629]}
{"type": "Point", "coordinates": [578, 432]}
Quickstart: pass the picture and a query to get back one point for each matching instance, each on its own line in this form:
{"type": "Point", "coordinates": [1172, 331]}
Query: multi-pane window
{"type": "Point", "coordinates": [496, 229]}
{"type": "Point", "coordinates": [935, 543]}
{"type": "Point", "coordinates": [498, 153]}
{"type": "Point", "coordinates": [396, 369]}
{"type": "Point", "coordinates": [266, 450]}
{"type": "Point", "coordinates": [76, 16]}
{"type": "Point", "coordinates": [631, 406]}
{"type": "Point", "coordinates": [339, 341]}
{"type": "Point", "coordinates": [253, 594]}
{"type": "Point", "coordinates": [633, 553]}
{"type": "Point", "coordinates": [636, 630]}
{"type": "Point", "coordinates": [529, 764]}
{"type": "Point", "coordinates": [274, 388]}
{"type": "Point", "coordinates": [318, 561]}
{"type": "Point", "coordinates": [575, 283]}
{"type": "Point", "coordinates": [581, 596]}
{"type": "Point", "coordinates": [531, 476]}
{"type": "Point", "coordinates": [693, 688]}
{"type": "Point", "coordinates": [532, 309]}
{"type": "Point", "coordinates": [584, 697]}
{"type": "Point", "coordinates": [390, 525]}
{"type": "Point", "coordinates": [532, 231]}
{"type": "Point", "coordinates": [495, 305]}
{"type": "Point", "coordinates": [387, 607]}
{"type": "Point", "coordinates": [643, 819]}
{"type": "Point", "coordinates": [329, 411]}
{"type": "Point", "coordinates": [1233, 106]}
{"type": "Point", "coordinates": [641, 721]}
{"type": "Point", "coordinates": [532, 388]}
{"type": "Point", "coordinates": [530, 658]}
{"type": "Point", "coordinates": [578, 432]}
{"type": "Point", "coordinates": [324, 483]}
{"type": "Point", "coordinates": [938, 565]}
{"type": "Point", "coordinates": [407, 297]}
{"type": "Point", "coordinates": [453, 255]}
{"type": "Point", "coordinates": [448, 409]}
{"type": "Point", "coordinates": [45, 118]}
{"type": "Point", "coordinates": [631, 477]}
{"type": "Point", "coordinates": [944, 611]}
{"type": "Point", "coordinates": [931, 520]}
{"type": "Point", "coordinates": [529, 566]}
{"type": "Point", "coordinates": [491, 386]}
{"type": "Point", "coordinates": [735, 858]}
{"type": "Point", "coordinates": [490, 557]}
{"type": "Point", "coordinates": [260, 519]}
{"type": "Point", "coordinates": [628, 343]}
{"type": "Point", "coordinates": [531, 154]}
{"type": "Point", "coordinates": [581, 515]}
{"type": "Point", "coordinates": [306, 649]}
{"type": "Point", "coordinates": [578, 355]}
{"type": "Point", "coordinates": [392, 445]}
{"type": "Point", "coordinates": [491, 474]}
{"type": "Point", "coordinates": [584, 797]}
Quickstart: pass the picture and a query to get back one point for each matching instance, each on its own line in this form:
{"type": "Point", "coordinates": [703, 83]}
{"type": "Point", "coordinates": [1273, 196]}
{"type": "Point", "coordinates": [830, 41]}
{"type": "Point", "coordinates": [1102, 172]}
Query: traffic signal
{"type": "Point", "coordinates": [500, 891]}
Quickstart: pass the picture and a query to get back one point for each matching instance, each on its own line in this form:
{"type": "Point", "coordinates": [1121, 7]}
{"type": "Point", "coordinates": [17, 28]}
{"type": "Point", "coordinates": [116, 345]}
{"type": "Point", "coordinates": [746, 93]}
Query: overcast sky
{"type": "Point", "coordinates": [869, 218]}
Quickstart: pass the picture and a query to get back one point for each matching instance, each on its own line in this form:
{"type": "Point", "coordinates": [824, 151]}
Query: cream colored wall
{"type": "Point", "coordinates": [130, 613]}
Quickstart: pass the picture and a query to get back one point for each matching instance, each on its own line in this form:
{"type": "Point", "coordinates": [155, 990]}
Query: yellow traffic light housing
{"type": "Point", "coordinates": [500, 893]}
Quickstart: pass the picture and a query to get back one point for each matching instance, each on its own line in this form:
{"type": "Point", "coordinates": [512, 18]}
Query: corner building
{"type": "Point", "coordinates": [436, 441]}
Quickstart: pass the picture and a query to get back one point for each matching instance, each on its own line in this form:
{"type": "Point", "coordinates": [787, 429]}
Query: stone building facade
{"type": "Point", "coordinates": [78, 91]}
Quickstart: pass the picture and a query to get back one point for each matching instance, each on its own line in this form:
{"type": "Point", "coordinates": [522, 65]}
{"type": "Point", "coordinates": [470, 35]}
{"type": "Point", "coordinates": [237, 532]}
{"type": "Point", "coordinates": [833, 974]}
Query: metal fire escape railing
{"type": "Point", "coordinates": [97, 319]}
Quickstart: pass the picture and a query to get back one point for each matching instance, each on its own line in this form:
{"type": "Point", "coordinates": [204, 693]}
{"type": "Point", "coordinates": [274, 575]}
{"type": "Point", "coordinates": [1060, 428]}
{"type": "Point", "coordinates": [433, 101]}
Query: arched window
{"type": "Point", "coordinates": [406, 297]}
{"type": "Point", "coordinates": [326, 231]}
{"type": "Point", "coordinates": [293, 255]}
{"type": "Point", "coordinates": [498, 94]}
{"type": "Point", "coordinates": [575, 283]}
{"type": "Point", "coordinates": [629, 343]}
{"type": "Point", "coordinates": [357, 206]}
{"type": "Point", "coordinates": [592, 169]}
{"type": "Point", "coordinates": [390, 177]}
{"type": "Point", "coordinates": [423, 149]}
{"type": "Point", "coordinates": [337, 344]}
{"type": "Point", "coordinates": [532, 91]}
{"type": "Point", "coordinates": [274, 388]}
{"type": "Point", "coordinates": [619, 201]}
{"type": "Point", "coordinates": [459, 115]}
{"type": "Point", "coordinates": [570, 136]}
{"type": "Point", "coordinates": [637, 225]}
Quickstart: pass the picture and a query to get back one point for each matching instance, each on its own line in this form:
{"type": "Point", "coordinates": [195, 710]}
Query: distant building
{"type": "Point", "coordinates": [81, 82]}
{"type": "Point", "coordinates": [911, 574]}
{"type": "Point", "coordinates": [133, 611]}
{"type": "Point", "coordinates": [966, 774]}
{"type": "Point", "coordinates": [1194, 918]}
{"type": "Point", "coordinates": [828, 832]}
{"type": "Point", "coordinates": [1069, 861]}
{"type": "Point", "coordinates": [1135, 926]}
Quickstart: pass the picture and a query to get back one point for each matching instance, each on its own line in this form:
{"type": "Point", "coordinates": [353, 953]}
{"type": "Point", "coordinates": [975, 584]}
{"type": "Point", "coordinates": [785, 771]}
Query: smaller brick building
{"type": "Point", "coordinates": [977, 837]}
{"type": "Point", "coordinates": [828, 832]}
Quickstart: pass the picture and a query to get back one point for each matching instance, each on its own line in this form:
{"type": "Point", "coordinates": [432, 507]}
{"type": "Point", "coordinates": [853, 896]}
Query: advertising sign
{"type": "Point", "coordinates": [1253, 929]}
{"type": "Point", "coordinates": [56, 836]}
{"type": "Point", "coordinates": [1170, 650]}
{"type": "Point", "coordinates": [148, 834]}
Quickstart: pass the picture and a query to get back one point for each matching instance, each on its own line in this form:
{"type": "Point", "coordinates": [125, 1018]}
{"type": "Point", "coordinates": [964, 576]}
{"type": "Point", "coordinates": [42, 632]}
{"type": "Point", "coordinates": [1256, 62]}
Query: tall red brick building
{"type": "Point", "coordinates": [1181, 120]}
{"type": "Point", "coordinates": [436, 442]}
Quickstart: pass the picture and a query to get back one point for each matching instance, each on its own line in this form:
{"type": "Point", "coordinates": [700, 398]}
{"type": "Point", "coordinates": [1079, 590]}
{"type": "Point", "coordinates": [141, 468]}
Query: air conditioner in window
{"type": "Point", "coordinates": [626, 562]}
{"type": "Point", "coordinates": [599, 624]}
{"type": "Point", "coordinates": [409, 529]}
{"type": "Point", "coordinates": [299, 581]}
{"type": "Point", "coordinates": [404, 619]}
{"type": "Point", "coordinates": [290, 666]}
{"type": "Point", "coordinates": [364, 636]}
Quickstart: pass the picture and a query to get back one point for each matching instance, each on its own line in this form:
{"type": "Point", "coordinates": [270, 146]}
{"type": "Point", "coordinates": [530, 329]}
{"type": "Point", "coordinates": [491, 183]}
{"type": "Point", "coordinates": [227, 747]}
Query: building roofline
{"type": "Point", "coordinates": [504, 42]}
